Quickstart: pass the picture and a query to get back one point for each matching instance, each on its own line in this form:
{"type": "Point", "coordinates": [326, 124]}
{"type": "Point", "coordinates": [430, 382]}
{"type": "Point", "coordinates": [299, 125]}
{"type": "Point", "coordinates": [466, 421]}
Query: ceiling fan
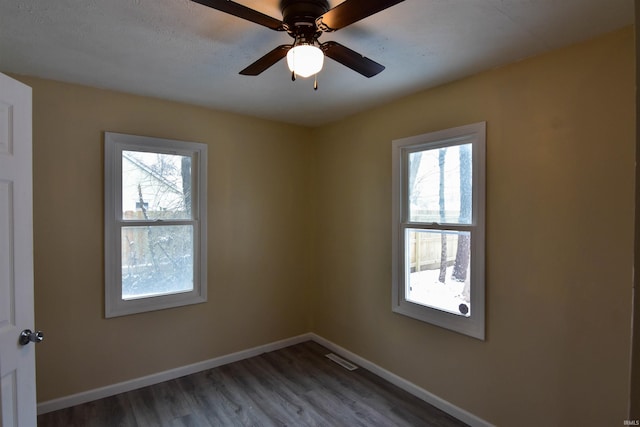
{"type": "Point", "coordinates": [305, 21]}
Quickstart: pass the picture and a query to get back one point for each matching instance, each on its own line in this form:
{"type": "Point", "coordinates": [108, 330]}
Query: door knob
{"type": "Point", "coordinates": [27, 336]}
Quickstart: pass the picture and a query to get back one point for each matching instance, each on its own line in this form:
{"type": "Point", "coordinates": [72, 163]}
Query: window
{"type": "Point", "coordinates": [438, 228]}
{"type": "Point", "coordinates": [155, 224]}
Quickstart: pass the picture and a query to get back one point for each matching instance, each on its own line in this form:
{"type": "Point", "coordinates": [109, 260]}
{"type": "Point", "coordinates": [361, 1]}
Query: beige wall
{"type": "Point", "coordinates": [299, 238]}
{"type": "Point", "coordinates": [634, 410]}
{"type": "Point", "coordinates": [257, 209]}
{"type": "Point", "coordinates": [560, 219]}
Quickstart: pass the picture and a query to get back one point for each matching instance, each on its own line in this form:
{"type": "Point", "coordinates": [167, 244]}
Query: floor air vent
{"type": "Point", "coordinates": [340, 361]}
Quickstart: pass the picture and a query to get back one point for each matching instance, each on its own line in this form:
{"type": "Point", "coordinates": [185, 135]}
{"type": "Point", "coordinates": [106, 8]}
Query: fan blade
{"type": "Point", "coordinates": [267, 61]}
{"type": "Point", "coordinates": [350, 11]}
{"type": "Point", "coordinates": [235, 9]}
{"type": "Point", "coordinates": [351, 59]}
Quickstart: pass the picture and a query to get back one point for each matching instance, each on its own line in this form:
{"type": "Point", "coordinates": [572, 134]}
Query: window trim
{"type": "Point", "coordinates": [114, 144]}
{"type": "Point", "coordinates": [474, 325]}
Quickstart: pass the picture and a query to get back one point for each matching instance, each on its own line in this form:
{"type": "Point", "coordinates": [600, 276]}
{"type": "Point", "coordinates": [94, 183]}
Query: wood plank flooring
{"type": "Point", "coordinates": [295, 386]}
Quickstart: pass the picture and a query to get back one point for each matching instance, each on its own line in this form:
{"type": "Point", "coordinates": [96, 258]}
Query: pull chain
{"type": "Point", "coordinates": [293, 76]}
{"type": "Point", "coordinates": [315, 82]}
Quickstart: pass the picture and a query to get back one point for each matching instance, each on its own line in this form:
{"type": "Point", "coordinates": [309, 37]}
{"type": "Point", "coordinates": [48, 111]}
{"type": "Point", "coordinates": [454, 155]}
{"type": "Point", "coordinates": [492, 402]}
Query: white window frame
{"type": "Point", "coordinates": [473, 325]}
{"type": "Point", "coordinates": [114, 145]}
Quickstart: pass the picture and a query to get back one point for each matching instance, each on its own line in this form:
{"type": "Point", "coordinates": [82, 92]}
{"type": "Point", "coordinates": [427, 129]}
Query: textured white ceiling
{"type": "Point", "coordinates": [180, 50]}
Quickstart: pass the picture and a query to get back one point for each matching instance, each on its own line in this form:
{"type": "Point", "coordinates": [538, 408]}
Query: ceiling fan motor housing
{"type": "Point", "coordinates": [299, 17]}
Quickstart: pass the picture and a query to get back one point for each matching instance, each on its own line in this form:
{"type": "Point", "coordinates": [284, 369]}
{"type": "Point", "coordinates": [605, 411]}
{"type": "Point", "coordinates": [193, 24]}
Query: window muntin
{"type": "Point", "coordinates": [155, 223]}
{"type": "Point", "coordinates": [438, 228]}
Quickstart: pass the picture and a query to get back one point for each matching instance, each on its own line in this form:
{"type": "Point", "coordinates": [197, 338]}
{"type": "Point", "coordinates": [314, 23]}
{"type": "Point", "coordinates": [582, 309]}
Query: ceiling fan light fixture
{"type": "Point", "coordinates": [305, 60]}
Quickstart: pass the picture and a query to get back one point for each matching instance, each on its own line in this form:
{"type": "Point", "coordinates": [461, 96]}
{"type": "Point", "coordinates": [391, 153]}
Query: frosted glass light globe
{"type": "Point", "coordinates": [305, 60]}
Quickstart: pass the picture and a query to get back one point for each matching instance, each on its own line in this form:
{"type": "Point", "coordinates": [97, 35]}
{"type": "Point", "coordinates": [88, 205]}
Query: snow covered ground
{"type": "Point", "coordinates": [425, 289]}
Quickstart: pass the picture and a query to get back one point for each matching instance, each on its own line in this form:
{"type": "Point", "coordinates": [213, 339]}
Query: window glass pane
{"type": "Point", "coordinates": [155, 186]}
{"type": "Point", "coordinates": [439, 185]}
{"type": "Point", "coordinates": [437, 270]}
{"type": "Point", "coordinates": [156, 260]}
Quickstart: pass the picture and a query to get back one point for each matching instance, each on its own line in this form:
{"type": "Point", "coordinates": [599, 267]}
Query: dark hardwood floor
{"type": "Point", "coordinates": [295, 386]}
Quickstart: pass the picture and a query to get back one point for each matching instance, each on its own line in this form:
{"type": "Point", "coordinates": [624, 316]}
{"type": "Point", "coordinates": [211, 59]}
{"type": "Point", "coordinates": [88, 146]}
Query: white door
{"type": "Point", "coordinates": [17, 361]}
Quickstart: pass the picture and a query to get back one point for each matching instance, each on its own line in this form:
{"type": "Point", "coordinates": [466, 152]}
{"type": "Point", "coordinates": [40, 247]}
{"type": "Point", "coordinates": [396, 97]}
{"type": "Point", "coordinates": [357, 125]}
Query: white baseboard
{"type": "Point", "coordinates": [413, 389]}
{"type": "Point", "coordinates": [111, 390]}
{"type": "Point", "coordinates": [123, 387]}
